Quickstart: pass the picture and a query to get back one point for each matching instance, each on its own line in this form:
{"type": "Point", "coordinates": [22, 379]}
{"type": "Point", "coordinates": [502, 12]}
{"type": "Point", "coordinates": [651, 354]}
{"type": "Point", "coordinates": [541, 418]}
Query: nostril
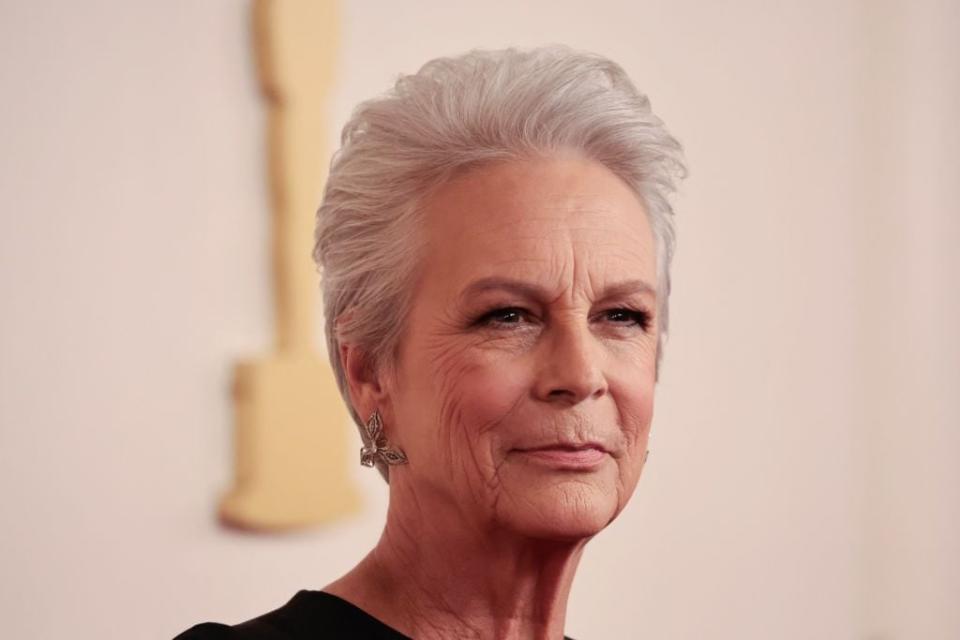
{"type": "Point", "coordinates": [577, 393]}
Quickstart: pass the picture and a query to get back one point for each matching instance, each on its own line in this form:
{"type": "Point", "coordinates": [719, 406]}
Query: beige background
{"type": "Point", "coordinates": [804, 480]}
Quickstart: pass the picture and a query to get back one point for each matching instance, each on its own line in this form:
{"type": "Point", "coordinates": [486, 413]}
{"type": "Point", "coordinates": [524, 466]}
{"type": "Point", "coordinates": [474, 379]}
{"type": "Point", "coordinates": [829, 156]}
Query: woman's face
{"type": "Point", "coordinates": [523, 388]}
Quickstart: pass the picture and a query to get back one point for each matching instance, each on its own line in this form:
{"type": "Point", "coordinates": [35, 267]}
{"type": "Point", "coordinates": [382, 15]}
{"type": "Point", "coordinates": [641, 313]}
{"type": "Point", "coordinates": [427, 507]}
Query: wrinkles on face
{"type": "Point", "coordinates": [486, 376]}
{"type": "Point", "coordinates": [469, 447]}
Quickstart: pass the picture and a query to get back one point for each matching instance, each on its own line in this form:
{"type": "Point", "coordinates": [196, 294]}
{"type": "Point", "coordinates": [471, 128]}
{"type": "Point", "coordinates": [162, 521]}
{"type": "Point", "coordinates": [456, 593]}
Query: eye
{"type": "Point", "coordinates": [503, 316]}
{"type": "Point", "coordinates": [628, 317]}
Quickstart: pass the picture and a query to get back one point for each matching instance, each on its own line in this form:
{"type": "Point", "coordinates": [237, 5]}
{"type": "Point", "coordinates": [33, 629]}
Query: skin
{"type": "Point", "coordinates": [522, 394]}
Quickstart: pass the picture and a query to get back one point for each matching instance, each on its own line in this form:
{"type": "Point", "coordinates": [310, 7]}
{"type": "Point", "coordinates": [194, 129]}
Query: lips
{"type": "Point", "coordinates": [564, 456]}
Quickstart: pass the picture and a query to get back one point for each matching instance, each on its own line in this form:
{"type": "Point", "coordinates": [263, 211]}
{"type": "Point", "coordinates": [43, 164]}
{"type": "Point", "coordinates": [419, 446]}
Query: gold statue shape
{"type": "Point", "coordinates": [291, 427]}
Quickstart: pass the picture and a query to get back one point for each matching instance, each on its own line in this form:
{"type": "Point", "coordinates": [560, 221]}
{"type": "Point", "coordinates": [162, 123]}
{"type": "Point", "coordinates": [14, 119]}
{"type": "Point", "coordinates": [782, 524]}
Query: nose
{"type": "Point", "coordinates": [569, 370]}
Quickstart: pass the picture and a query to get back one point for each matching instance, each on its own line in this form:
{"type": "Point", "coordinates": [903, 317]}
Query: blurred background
{"type": "Point", "coordinates": [804, 478]}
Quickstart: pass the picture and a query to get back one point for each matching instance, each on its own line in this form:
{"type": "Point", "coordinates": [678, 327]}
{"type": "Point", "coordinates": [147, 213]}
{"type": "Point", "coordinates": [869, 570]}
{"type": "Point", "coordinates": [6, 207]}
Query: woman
{"type": "Point", "coordinates": [495, 241]}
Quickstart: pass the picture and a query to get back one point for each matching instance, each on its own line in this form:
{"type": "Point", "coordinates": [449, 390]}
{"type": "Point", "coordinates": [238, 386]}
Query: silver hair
{"type": "Point", "coordinates": [452, 115]}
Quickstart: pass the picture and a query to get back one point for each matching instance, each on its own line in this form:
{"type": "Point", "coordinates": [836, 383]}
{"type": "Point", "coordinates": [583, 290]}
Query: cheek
{"type": "Point", "coordinates": [479, 408]}
{"type": "Point", "coordinates": [633, 392]}
{"type": "Point", "coordinates": [635, 401]}
{"type": "Point", "coordinates": [463, 395]}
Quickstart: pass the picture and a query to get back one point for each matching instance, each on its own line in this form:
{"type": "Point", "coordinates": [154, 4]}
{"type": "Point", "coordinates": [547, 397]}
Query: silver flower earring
{"type": "Point", "coordinates": [375, 445]}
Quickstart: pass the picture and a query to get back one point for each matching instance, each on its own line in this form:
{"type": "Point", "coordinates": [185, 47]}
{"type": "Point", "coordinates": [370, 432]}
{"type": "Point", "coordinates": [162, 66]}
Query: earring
{"type": "Point", "coordinates": [645, 456]}
{"type": "Point", "coordinates": [375, 444]}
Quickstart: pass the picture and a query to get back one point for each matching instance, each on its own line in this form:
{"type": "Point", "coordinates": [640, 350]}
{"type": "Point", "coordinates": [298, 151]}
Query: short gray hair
{"type": "Point", "coordinates": [455, 114]}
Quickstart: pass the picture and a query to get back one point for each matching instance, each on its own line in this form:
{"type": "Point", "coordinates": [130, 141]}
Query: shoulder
{"type": "Point", "coordinates": [263, 628]}
{"type": "Point", "coordinates": [309, 614]}
{"type": "Point", "coordinates": [208, 631]}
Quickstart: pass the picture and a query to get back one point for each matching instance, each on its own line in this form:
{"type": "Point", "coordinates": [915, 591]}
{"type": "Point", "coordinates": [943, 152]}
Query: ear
{"type": "Point", "coordinates": [364, 381]}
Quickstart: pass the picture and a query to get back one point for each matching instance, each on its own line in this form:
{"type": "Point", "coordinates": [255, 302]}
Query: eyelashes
{"type": "Point", "coordinates": [503, 316]}
{"type": "Point", "coordinates": [513, 317]}
{"type": "Point", "coordinates": [630, 317]}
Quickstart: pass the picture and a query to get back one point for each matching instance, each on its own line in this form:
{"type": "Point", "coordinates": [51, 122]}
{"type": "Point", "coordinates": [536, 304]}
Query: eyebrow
{"type": "Point", "coordinates": [530, 290]}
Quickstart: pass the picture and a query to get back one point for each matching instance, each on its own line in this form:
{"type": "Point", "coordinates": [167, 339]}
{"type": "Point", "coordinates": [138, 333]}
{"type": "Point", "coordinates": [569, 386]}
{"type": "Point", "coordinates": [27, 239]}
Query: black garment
{"type": "Point", "coordinates": [309, 614]}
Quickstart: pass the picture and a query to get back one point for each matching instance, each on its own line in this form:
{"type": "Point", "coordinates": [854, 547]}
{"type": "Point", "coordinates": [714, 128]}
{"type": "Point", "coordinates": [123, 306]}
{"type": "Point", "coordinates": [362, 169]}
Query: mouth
{"type": "Point", "coordinates": [583, 457]}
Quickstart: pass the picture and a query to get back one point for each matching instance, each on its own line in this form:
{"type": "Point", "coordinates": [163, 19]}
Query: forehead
{"type": "Point", "coordinates": [534, 218]}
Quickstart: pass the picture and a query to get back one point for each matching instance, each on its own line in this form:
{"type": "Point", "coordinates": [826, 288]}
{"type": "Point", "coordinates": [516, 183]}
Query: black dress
{"type": "Point", "coordinates": [309, 614]}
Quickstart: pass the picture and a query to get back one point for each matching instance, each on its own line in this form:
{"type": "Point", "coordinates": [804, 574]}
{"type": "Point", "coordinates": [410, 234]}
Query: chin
{"type": "Point", "coordinates": [558, 508]}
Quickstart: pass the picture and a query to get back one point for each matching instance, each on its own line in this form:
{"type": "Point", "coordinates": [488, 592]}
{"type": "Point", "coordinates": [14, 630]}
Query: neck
{"type": "Point", "coordinates": [432, 576]}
